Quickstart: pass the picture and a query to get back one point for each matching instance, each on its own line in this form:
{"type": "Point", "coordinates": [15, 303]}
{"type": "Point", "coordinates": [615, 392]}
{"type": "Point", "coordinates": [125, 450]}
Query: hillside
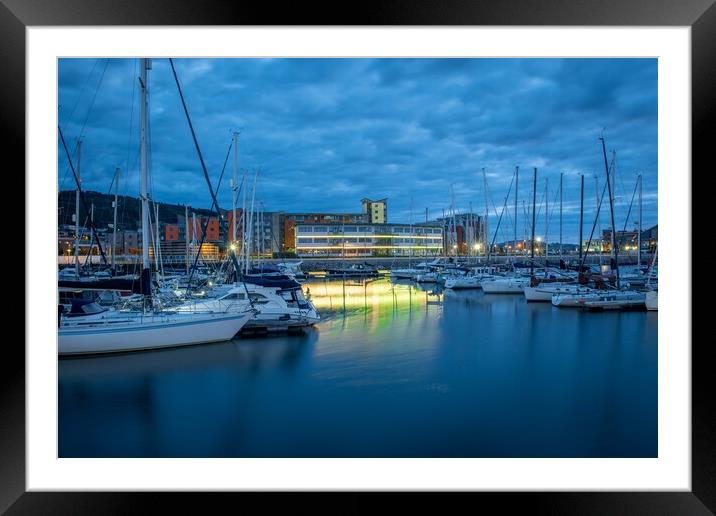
{"type": "Point", "coordinates": [128, 212]}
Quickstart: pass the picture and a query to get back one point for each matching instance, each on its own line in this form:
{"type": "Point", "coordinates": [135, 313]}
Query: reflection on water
{"type": "Point", "coordinates": [392, 371]}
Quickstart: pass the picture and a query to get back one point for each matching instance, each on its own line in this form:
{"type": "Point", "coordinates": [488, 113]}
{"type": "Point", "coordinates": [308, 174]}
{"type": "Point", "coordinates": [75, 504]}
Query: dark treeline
{"type": "Point", "coordinates": [128, 210]}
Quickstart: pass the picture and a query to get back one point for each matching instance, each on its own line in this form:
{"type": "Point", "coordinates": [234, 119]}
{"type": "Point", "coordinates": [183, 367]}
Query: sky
{"type": "Point", "coordinates": [325, 133]}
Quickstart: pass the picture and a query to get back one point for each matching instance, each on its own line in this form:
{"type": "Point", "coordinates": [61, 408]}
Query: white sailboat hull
{"type": "Point", "coordinates": [544, 293]}
{"type": "Point", "coordinates": [463, 283]}
{"type": "Point", "coordinates": [155, 332]}
{"type": "Point", "coordinates": [652, 300]}
{"type": "Point", "coordinates": [505, 286]}
{"type": "Point", "coordinates": [603, 300]}
{"type": "Point", "coordinates": [405, 273]}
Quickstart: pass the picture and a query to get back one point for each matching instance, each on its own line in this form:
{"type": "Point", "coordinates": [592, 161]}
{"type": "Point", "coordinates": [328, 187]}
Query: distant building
{"type": "Point", "coordinates": [650, 238]}
{"type": "Point", "coordinates": [463, 234]}
{"type": "Point", "coordinates": [289, 221]}
{"type": "Point", "coordinates": [376, 211]}
{"type": "Point", "coordinates": [365, 240]}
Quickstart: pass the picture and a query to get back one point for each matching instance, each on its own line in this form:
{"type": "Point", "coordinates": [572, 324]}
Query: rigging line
{"type": "Point", "coordinates": [205, 225]}
{"type": "Point", "coordinates": [215, 202]}
{"type": "Point", "coordinates": [193, 135]}
{"type": "Point", "coordinates": [631, 203]}
{"type": "Point", "coordinates": [79, 96]}
{"type": "Point", "coordinates": [489, 252]}
{"type": "Point", "coordinates": [94, 97]}
{"type": "Point", "coordinates": [82, 195]}
{"type": "Point", "coordinates": [594, 226]}
{"type": "Point", "coordinates": [89, 111]}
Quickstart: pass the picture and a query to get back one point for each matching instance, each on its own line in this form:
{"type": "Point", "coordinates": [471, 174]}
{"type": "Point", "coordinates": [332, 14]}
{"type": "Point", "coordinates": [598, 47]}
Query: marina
{"type": "Point", "coordinates": [516, 316]}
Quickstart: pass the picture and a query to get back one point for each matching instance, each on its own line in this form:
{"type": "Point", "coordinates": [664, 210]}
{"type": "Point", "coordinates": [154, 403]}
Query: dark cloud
{"type": "Point", "coordinates": [324, 133]}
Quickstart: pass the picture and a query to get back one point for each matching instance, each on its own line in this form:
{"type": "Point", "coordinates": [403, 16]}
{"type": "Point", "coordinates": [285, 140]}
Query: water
{"type": "Point", "coordinates": [403, 373]}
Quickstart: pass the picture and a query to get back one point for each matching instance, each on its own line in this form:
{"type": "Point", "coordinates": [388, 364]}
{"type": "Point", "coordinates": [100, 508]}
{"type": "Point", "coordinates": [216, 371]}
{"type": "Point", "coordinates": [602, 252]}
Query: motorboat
{"type": "Point", "coordinates": [276, 308]}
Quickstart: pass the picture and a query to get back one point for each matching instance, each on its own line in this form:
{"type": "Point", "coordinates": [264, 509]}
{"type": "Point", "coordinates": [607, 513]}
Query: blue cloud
{"type": "Point", "coordinates": [324, 133]}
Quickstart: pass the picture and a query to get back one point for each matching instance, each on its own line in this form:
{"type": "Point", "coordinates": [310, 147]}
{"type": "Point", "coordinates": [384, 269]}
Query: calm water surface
{"type": "Point", "coordinates": [394, 371]}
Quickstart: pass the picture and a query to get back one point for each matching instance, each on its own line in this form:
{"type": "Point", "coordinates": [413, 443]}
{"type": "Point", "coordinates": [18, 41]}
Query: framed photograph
{"type": "Point", "coordinates": [416, 253]}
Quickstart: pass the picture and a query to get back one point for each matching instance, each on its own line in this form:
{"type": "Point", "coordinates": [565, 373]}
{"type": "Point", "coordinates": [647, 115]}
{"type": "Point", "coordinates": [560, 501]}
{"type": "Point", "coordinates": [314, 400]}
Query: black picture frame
{"type": "Point", "coordinates": [700, 15]}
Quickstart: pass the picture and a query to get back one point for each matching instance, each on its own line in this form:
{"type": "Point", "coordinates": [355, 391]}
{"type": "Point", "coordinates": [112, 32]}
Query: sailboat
{"type": "Point", "coordinates": [110, 331]}
{"type": "Point", "coordinates": [606, 299]}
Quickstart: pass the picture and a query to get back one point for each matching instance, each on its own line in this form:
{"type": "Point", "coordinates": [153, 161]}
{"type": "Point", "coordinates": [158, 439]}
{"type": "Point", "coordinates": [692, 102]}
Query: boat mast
{"type": "Point", "coordinates": [487, 212]}
{"type": "Point", "coordinates": [546, 223]}
{"type": "Point", "coordinates": [638, 238]}
{"type": "Point", "coordinates": [144, 177]}
{"type": "Point", "coordinates": [611, 211]}
{"type": "Point", "coordinates": [598, 199]}
{"type": "Point", "coordinates": [561, 176]}
{"type": "Point", "coordinates": [251, 222]}
{"type": "Point", "coordinates": [156, 237]}
{"type": "Point", "coordinates": [244, 223]}
{"type": "Point", "coordinates": [114, 225]}
{"type": "Point", "coordinates": [517, 182]}
{"type": "Point", "coordinates": [186, 237]}
{"type": "Point", "coordinates": [581, 219]}
{"type": "Point", "coordinates": [234, 188]}
{"type": "Point", "coordinates": [534, 202]}
{"type": "Point", "coordinates": [77, 211]}
{"type": "Point", "coordinates": [89, 252]}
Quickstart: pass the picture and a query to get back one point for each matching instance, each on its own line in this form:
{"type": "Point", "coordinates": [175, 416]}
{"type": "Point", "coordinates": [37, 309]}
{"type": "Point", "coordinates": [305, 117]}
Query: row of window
{"type": "Point", "coordinates": [368, 229]}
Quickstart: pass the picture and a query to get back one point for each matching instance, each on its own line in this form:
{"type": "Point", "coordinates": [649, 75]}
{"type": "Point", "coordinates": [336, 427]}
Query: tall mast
{"type": "Point", "coordinates": [546, 221]}
{"type": "Point", "coordinates": [517, 180]}
{"type": "Point", "coordinates": [534, 202]}
{"type": "Point", "coordinates": [581, 218]}
{"type": "Point", "coordinates": [244, 223]}
{"type": "Point", "coordinates": [611, 212]}
{"type": "Point", "coordinates": [144, 171]}
{"type": "Point", "coordinates": [114, 224]}
{"type": "Point", "coordinates": [186, 237]}
{"type": "Point", "coordinates": [235, 186]}
{"type": "Point", "coordinates": [469, 230]}
{"type": "Point", "coordinates": [487, 212]}
{"type": "Point", "coordinates": [77, 212]}
{"type": "Point", "coordinates": [89, 252]}
{"type": "Point", "coordinates": [251, 222]}
{"type": "Point", "coordinates": [156, 237]}
{"type": "Point", "coordinates": [598, 200]}
{"type": "Point", "coordinates": [638, 237]}
{"type": "Point", "coordinates": [561, 176]}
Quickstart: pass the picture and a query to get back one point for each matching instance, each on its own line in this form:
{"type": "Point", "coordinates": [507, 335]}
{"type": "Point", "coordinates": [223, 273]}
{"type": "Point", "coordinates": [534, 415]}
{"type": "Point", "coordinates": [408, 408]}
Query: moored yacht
{"type": "Point", "coordinates": [506, 285]}
{"type": "Point", "coordinates": [276, 308]}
